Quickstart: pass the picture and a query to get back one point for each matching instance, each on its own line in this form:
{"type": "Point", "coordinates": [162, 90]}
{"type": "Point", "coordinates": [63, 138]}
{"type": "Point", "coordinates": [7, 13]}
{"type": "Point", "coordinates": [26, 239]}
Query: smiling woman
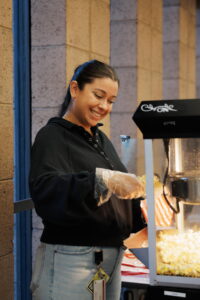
{"type": "Point", "coordinates": [81, 229]}
{"type": "Point", "coordinates": [91, 104]}
{"type": "Point", "coordinates": [86, 74]}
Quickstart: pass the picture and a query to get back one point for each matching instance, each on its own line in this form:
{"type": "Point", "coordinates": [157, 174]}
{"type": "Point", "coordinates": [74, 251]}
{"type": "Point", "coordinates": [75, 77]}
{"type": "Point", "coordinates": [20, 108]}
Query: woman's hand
{"type": "Point", "coordinates": [138, 239]}
{"type": "Point", "coordinates": [125, 185]}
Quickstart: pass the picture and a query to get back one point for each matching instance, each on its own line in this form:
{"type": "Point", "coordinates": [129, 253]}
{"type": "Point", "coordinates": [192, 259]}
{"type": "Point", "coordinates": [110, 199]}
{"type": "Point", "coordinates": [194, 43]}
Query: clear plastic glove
{"type": "Point", "coordinates": [122, 185]}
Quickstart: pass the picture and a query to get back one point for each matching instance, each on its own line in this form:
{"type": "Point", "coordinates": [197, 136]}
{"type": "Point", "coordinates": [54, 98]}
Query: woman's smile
{"type": "Point", "coordinates": [96, 114]}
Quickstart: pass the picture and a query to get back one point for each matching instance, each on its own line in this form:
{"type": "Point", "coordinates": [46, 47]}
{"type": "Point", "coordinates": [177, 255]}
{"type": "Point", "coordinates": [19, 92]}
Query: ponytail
{"type": "Point", "coordinates": [65, 103]}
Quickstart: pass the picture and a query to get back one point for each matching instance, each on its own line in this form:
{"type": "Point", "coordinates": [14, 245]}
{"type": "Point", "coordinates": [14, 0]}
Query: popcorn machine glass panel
{"type": "Point", "coordinates": [178, 229]}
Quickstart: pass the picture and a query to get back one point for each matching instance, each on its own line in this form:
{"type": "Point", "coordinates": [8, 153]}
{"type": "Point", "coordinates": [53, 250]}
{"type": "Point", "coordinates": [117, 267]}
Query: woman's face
{"type": "Point", "coordinates": [91, 104]}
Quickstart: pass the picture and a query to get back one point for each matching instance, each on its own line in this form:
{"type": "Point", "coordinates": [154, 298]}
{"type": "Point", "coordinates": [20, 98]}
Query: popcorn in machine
{"type": "Point", "coordinates": [171, 133]}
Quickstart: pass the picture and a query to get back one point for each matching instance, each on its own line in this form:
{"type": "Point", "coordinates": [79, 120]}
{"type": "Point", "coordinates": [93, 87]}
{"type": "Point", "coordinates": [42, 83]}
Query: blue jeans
{"type": "Point", "coordinates": [64, 272]}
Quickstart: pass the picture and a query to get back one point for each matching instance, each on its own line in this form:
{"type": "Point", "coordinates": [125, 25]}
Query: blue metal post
{"type": "Point", "coordinates": [22, 116]}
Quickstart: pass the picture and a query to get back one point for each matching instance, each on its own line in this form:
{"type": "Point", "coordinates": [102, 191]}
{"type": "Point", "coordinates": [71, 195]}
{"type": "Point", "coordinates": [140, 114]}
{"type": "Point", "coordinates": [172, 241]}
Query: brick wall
{"type": "Point", "coordinates": [88, 35]}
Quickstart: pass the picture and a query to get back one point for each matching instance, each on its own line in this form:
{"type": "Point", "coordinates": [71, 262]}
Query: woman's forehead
{"type": "Point", "coordinates": [105, 84]}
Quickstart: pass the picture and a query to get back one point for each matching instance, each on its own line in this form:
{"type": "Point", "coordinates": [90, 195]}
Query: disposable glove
{"type": "Point", "coordinates": [122, 185]}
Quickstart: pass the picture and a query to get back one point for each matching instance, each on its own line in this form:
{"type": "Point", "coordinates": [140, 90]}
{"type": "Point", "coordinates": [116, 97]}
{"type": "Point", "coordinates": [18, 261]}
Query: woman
{"type": "Point", "coordinates": [78, 185]}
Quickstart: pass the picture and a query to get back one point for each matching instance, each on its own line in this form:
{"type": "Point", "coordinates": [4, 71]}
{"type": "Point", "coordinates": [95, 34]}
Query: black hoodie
{"type": "Point", "coordinates": [62, 184]}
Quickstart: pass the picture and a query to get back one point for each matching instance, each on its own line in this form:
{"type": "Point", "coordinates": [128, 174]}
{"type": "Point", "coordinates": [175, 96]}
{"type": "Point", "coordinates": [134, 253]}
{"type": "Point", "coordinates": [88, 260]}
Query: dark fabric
{"type": "Point", "coordinates": [62, 178]}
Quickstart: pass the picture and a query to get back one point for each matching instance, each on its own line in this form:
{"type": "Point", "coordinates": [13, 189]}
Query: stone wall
{"type": "Point", "coordinates": [6, 151]}
{"type": "Point", "coordinates": [136, 53]}
{"type": "Point", "coordinates": [198, 50]}
{"type": "Point", "coordinates": [88, 36]}
{"type": "Point", "coordinates": [179, 55]}
{"type": "Point", "coordinates": [48, 47]}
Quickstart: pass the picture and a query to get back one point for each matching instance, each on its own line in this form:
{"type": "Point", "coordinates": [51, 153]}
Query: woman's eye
{"type": "Point", "coordinates": [98, 96]}
{"type": "Point", "coordinates": [111, 102]}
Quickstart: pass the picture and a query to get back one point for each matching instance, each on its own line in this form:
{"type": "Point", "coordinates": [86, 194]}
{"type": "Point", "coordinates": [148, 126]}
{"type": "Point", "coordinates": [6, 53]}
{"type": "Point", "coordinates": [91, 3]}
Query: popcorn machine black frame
{"type": "Point", "coordinates": [166, 120]}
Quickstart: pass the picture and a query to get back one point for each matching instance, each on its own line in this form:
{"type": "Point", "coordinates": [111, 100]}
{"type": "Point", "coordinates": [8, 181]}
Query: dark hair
{"type": "Point", "coordinates": [86, 73]}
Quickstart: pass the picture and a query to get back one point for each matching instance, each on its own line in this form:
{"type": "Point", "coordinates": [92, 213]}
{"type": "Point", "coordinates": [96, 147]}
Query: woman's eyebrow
{"type": "Point", "coordinates": [104, 92]}
{"type": "Point", "coordinates": [100, 90]}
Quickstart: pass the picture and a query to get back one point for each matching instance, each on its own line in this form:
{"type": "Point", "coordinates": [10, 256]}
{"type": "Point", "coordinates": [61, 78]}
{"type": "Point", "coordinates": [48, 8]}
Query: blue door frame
{"type": "Point", "coordinates": [22, 144]}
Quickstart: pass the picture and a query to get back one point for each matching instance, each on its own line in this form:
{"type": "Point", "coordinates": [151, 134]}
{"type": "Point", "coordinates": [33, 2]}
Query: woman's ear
{"type": "Point", "coordinates": [73, 88]}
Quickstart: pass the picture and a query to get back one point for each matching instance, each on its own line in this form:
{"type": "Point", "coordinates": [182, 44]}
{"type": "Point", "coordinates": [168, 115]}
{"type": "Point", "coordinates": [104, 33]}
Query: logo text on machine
{"type": "Point", "coordinates": [159, 108]}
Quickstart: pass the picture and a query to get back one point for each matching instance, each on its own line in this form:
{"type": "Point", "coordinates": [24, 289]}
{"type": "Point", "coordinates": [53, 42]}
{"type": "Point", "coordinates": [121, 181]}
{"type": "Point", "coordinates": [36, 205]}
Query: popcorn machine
{"type": "Point", "coordinates": [171, 133]}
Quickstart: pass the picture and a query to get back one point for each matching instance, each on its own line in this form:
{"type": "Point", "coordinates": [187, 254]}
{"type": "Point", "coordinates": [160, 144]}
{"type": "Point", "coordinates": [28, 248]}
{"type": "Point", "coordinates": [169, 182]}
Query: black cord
{"type": "Point", "coordinates": [166, 147]}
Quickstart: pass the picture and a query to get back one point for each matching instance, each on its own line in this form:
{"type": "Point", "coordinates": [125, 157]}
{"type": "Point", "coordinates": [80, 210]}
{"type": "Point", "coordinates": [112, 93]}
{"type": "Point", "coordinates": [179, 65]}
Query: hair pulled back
{"type": "Point", "coordinates": [87, 73]}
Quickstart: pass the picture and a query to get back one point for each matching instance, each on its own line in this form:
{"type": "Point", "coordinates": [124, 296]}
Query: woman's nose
{"type": "Point", "coordinates": [104, 104]}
